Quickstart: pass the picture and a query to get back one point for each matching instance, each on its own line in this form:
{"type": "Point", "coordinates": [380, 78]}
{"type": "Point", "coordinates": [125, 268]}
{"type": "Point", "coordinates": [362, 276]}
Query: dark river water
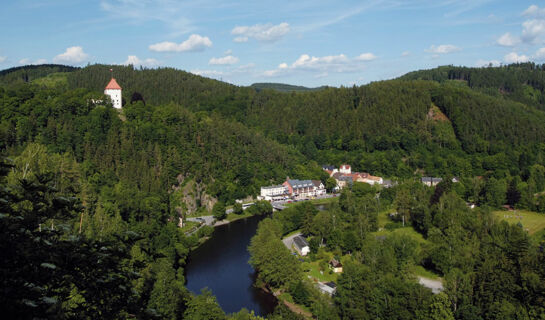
{"type": "Point", "coordinates": [221, 264]}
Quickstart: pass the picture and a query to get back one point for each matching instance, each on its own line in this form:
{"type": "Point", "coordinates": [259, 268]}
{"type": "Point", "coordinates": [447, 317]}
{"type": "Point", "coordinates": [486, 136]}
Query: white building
{"type": "Point", "coordinates": [301, 245]}
{"type": "Point", "coordinates": [345, 169]}
{"type": "Point", "coordinates": [273, 192]}
{"type": "Point", "coordinates": [113, 89]}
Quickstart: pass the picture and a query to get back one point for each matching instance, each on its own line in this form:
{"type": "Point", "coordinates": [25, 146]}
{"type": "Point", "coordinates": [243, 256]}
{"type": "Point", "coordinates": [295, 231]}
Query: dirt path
{"type": "Point", "coordinates": [296, 309]}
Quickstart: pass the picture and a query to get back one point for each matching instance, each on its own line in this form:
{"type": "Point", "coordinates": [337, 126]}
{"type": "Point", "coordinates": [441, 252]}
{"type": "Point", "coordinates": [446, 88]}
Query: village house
{"type": "Point", "coordinates": [345, 177]}
{"type": "Point", "coordinates": [431, 181]}
{"type": "Point", "coordinates": [272, 193]}
{"type": "Point", "coordinates": [319, 188]}
{"type": "Point", "coordinates": [304, 188]}
{"type": "Point", "coordinates": [336, 266]}
{"type": "Point", "coordinates": [301, 245]}
{"type": "Point", "coordinates": [329, 288]}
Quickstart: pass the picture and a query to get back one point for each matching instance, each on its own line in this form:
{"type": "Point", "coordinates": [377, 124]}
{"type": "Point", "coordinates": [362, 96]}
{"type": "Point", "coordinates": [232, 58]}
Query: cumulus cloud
{"type": "Point", "coordinates": [443, 49]}
{"type": "Point", "coordinates": [260, 32]}
{"type": "Point", "coordinates": [227, 60]}
{"type": "Point", "coordinates": [2, 59]}
{"type": "Point", "coordinates": [195, 42]}
{"type": "Point", "coordinates": [405, 53]}
{"type": "Point", "coordinates": [507, 40]}
{"type": "Point", "coordinates": [247, 69]}
{"type": "Point", "coordinates": [322, 65]}
{"type": "Point", "coordinates": [72, 55]}
{"type": "Point", "coordinates": [533, 29]}
{"type": "Point", "coordinates": [366, 57]}
{"type": "Point", "coordinates": [208, 73]}
{"type": "Point", "coordinates": [534, 11]}
{"type": "Point", "coordinates": [514, 57]}
{"type": "Point", "coordinates": [487, 63]}
{"type": "Point", "coordinates": [135, 61]}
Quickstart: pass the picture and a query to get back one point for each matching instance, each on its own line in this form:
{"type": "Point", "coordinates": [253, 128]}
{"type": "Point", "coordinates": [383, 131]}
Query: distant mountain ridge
{"type": "Point", "coordinates": [282, 87]}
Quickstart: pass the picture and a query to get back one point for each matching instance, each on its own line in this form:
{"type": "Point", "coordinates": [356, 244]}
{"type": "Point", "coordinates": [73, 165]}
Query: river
{"type": "Point", "coordinates": [221, 264]}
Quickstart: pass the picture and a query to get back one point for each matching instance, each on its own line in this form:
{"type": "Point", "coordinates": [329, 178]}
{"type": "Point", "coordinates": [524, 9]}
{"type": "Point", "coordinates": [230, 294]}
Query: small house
{"type": "Point", "coordinates": [328, 288]}
{"type": "Point", "coordinates": [431, 181]}
{"type": "Point", "coordinates": [301, 245]}
{"type": "Point", "coordinates": [319, 188]}
{"type": "Point", "coordinates": [336, 266]}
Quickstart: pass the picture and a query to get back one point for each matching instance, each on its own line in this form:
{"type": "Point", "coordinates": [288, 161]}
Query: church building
{"type": "Point", "coordinates": [113, 89]}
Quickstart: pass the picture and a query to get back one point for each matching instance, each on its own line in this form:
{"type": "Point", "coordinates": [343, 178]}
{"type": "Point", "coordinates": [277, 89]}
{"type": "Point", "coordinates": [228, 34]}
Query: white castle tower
{"type": "Point", "coordinates": [114, 91]}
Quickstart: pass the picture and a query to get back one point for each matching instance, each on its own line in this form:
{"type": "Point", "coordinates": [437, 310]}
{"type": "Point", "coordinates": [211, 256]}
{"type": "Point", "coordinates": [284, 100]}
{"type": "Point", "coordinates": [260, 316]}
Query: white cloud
{"type": "Point", "coordinates": [26, 61]}
{"type": "Point", "coordinates": [240, 39]}
{"type": "Point", "coordinates": [443, 49]}
{"type": "Point", "coordinates": [227, 60]}
{"type": "Point", "coordinates": [366, 57]}
{"type": "Point", "coordinates": [135, 61]}
{"type": "Point", "coordinates": [2, 59]}
{"type": "Point", "coordinates": [246, 70]}
{"type": "Point", "coordinates": [534, 11]}
{"type": "Point", "coordinates": [228, 52]}
{"type": "Point", "coordinates": [507, 40]}
{"type": "Point", "coordinates": [405, 53]}
{"type": "Point", "coordinates": [514, 57]}
{"type": "Point", "coordinates": [208, 73]}
{"type": "Point", "coordinates": [72, 55]}
{"type": "Point", "coordinates": [486, 63]}
{"type": "Point", "coordinates": [540, 53]}
{"type": "Point", "coordinates": [322, 65]}
{"type": "Point", "coordinates": [532, 29]}
{"type": "Point", "coordinates": [195, 42]}
{"type": "Point", "coordinates": [261, 32]}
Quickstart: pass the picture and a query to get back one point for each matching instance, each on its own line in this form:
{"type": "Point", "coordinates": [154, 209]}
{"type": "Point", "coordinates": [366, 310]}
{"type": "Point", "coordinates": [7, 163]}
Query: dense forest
{"type": "Point", "coordinates": [92, 196]}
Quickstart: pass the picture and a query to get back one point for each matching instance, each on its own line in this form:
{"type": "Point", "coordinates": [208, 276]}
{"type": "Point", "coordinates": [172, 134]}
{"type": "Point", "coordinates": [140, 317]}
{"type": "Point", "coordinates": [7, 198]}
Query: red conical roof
{"type": "Point", "coordinates": [113, 85]}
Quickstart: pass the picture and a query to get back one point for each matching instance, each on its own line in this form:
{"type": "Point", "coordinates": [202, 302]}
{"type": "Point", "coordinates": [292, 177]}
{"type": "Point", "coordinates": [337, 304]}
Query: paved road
{"type": "Point", "coordinates": [208, 220]}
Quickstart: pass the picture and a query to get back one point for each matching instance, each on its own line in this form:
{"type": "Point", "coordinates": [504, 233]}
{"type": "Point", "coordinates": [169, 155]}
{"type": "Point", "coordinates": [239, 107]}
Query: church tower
{"type": "Point", "coordinates": [114, 91]}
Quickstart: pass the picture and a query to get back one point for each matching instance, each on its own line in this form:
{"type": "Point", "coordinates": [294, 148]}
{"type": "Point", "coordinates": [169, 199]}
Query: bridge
{"type": "Point", "coordinates": [278, 206]}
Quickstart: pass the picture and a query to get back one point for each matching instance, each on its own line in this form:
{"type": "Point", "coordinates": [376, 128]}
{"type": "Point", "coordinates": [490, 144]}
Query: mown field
{"type": "Point", "coordinates": [531, 221]}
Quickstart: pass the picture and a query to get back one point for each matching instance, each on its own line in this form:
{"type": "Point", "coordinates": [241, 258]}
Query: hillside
{"type": "Point", "coordinates": [386, 120]}
{"type": "Point", "coordinates": [523, 82]}
{"type": "Point", "coordinates": [25, 74]}
{"type": "Point", "coordinates": [93, 195]}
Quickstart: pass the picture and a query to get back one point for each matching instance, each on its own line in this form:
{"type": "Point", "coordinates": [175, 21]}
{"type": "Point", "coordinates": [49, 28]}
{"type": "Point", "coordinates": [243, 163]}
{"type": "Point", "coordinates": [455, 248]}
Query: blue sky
{"type": "Point", "coordinates": [311, 43]}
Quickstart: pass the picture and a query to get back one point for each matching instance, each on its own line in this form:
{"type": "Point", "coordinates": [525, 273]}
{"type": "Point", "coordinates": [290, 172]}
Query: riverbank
{"type": "Point", "coordinates": [221, 264]}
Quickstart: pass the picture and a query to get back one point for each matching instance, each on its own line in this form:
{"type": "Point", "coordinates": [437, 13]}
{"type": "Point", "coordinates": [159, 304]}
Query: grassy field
{"type": "Point", "coordinates": [314, 271]}
{"type": "Point", "coordinates": [531, 221]}
{"type": "Point", "coordinates": [189, 226]}
{"type": "Point", "coordinates": [315, 201]}
{"type": "Point", "coordinates": [234, 216]}
{"type": "Point", "coordinates": [420, 271]}
{"type": "Point", "coordinates": [53, 79]}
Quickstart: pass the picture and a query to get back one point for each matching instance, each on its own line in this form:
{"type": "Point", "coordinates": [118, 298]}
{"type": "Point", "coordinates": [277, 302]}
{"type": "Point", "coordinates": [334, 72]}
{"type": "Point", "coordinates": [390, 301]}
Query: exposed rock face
{"type": "Point", "coordinates": [192, 195]}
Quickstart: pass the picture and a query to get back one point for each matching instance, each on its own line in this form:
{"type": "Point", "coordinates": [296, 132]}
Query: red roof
{"type": "Point", "coordinates": [112, 85]}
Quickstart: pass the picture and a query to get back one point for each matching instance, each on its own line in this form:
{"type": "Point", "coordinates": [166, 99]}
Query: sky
{"type": "Point", "coordinates": [303, 42]}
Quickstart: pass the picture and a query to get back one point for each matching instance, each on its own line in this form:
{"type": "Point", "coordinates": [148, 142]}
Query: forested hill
{"type": "Point", "coordinates": [29, 73]}
{"type": "Point", "coordinates": [164, 85]}
{"type": "Point", "coordinates": [523, 82]}
{"type": "Point", "coordinates": [436, 126]}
